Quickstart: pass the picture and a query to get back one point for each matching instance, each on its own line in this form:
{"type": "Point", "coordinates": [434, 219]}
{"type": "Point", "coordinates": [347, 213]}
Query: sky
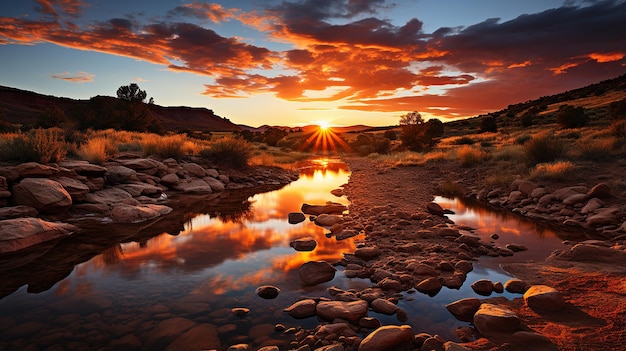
{"type": "Point", "coordinates": [298, 62]}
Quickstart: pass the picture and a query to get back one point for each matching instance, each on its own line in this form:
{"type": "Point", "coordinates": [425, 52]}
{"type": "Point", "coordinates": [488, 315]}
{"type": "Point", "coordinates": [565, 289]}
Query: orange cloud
{"type": "Point", "coordinates": [78, 77]}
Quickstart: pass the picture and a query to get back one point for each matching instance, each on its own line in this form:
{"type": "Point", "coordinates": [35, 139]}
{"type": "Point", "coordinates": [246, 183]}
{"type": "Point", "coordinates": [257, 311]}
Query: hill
{"type": "Point", "coordinates": [26, 108]}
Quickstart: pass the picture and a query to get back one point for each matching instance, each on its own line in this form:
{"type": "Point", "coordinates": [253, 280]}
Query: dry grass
{"type": "Point", "coordinates": [229, 151]}
{"type": "Point", "coordinates": [411, 158]}
{"type": "Point", "coordinates": [450, 189]}
{"type": "Point", "coordinates": [97, 150]}
{"type": "Point", "coordinates": [596, 148]}
{"type": "Point", "coordinates": [470, 156]}
{"type": "Point", "coordinates": [562, 170]}
{"type": "Point", "coordinates": [172, 146]}
{"type": "Point", "coordinates": [38, 145]}
{"type": "Point", "coordinates": [545, 147]}
{"type": "Point", "coordinates": [509, 153]}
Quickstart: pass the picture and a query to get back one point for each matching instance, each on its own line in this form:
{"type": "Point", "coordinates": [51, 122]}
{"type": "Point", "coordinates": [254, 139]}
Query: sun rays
{"type": "Point", "coordinates": [325, 140]}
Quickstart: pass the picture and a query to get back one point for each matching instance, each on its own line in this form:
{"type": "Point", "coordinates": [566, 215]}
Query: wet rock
{"type": "Point", "coordinates": [168, 329]}
{"type": "Point", "coordinates": [110, 196]}
{"type": "Point", "coordinates": [45, 195]}
{"type": "Point", "coordinates": [605, 217]}
{"type": "Point", "coordinates": [389, 337]}
{"type": "Point", "coordinates": [493, 319]}
{"type": "Point", "coordinates": [591, 206]}
{"type": "Point", "coordinates": [19, 233]}
{"type": "Point", "coordinates": [123, 213]}
{"type": "Point", "coordinates": [77, 190]}
{"type": "Point", "coordinates": [304, 244]}
{"type": "Point", "coordinates": [216, 185]}
{"type": "Point", "coordinates": [593, 253]}
{"type": "Point", "coordinates": [516, 247]}
{"type": "Point", "coordinates": [194, 186]}
{"type": "Point", "coordinates": [337, 192]}
{"type": "Point", "coordinates": [351, 311]}
{"type": "Point", "coordinates": [389, 284]}
{"type": "Point", "coordinates": [240, 311]}
{"type": "Point", "coordinates": [434, 343]}
{"type": "Point", "coordinates": [469, 240]}
{"type": "Point", "coordinates": [329, 208]}
{"type": "Point", "coordinates": [464, 309]}
{"type": "Point", "coordinates": [483, 287]}
{"type": "Point", "coordinates": [316, 272]}
{"type": "Point", "coordinates": [295, 217]}
{"type": "Point", "coordinates": [267, 291]}
{"type": "Point", "coordinates": [302, 309]}
{"type": "Point", "coordinates": [435, 209]}
{"type": "Point", "coordinates": [575, 199]}
{"type": "Point", "coordinates": [346, 234]}
{"type": "Point", "coordinates": [516, 286]}
{"type": "Point", "coordinates": [325, 220]}
{"type": "Point", "coordinates": [498, 287]}
{"type": "Point", "coordinates": [430, 286]}
{"type": "Point", "coordinates": [544, 298]}
{"type": "Point", "coordinates": [194, 170]}
{"type": "Point", "coordinates": [238, 347]}
{"type": "Point", "coordinates": [384, 306]}
{"type": "Point", "coordinates": [464, 266]}
{"type": "Point", "coordinates": [369, 323]}
{"type": "Point", "coordinates": [367, 253]}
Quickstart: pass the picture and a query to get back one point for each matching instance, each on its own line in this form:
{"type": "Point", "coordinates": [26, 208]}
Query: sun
{"type": "Point", "coordinates": [324, 125]}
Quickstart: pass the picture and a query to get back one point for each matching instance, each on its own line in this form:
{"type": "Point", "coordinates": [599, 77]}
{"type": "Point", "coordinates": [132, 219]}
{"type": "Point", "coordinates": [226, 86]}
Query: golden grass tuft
{"type": "Point", "coordinates": [97, 150]}
{"type": "Point", "coordinates": [561, 170]}
{"type": "Point", "coordinates": [172, 146]}
{"type": "Point", "coordinates": [470, 156]}
{"type": "Point", "coordinates": [37, 145]}
{"type": "Point", "coordinates": [596, 148]}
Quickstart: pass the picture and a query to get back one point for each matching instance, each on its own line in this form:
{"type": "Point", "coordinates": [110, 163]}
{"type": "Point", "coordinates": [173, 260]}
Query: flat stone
{"type": "Point", "coordinates": [328, 208]}
{"type": "Point", "coordinates": [267, 291]}
{"type": "Point", "coordinates": [316, 272]}
{"type": "Point", "coordinates": [295, 217]}
{"type": "Point", "coordinates": [20, 233]}
{"type": "Point", "coordinates": [493, 320]}
{"type": "Point", "coordinates": [464, 309]}
{"type": "Point", "coordinates": [544, 298]}
{"type": "Point", "coordinates": [384, 306]}
{"type": "Point", "coordinates": [123, 213]}
{"type": "Point", "coordinates": [390, 337]}
{"type": "Point", "coordinates": [17, 212]}
{"type": "Point", "coordinates": [351, 311]}
{"type": "Point", "coordinates": [45, 195]}
{"type": "Point", "coordinates": [304, 244]}
{"type": "Point", "coordinates": [35, 170]}
{"type": "Point", "coordinates": [302, 309]}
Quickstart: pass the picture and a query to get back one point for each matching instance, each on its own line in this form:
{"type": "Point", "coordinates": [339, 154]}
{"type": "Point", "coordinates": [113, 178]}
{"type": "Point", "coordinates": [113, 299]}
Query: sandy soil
{"type": "Point", "coordinates": [595, 293]}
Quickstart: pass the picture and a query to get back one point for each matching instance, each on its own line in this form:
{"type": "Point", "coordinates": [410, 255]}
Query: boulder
{"type": "Point", "coordinates": [591, 206]}
{"type": "Point", "coordinates": [384, 306]}
{"type": "Point", "coordinates": [483, 287]}
{"type": "Point", "coordinates": [605, 217]}
{"type": "Point", "coordinates": [20, 233]}
{"type": "Point", "coordinates": [601, 190]}
{"type": "Point", "coordinates": [329, 208]}
{"type": "Point", "coordinates": [295, 217]}
{"type": "Point", "coordinates": [304, 244]}
{"type": "Point", "coordinates": [325, 220]}
{"type": "Point", "coordinates": [194, 170]}
{"type": "Point", "coordinates": [516, 286]}
{"type": "Point", "coordinates": [430, 286]}
{"type": "Point", "coordinates": [170, 179]}
{"type": "Point", "coordinates": [525, 186]}
{"type": "Point", "coordinates": [389, 337]}
{"type": "Point", "coordinates": [593, 253]}
{"type": "Point", "coordinates": [35, 170]}
{"type": "Point", "coordinates": [267, 291]}
{"type": "Point", "coordinates": [316, 272]}
{"type": "Point", "coordinates": [194, 186]}
{"type": "Point", "coordinates": [117, 174]}
{"type": "Point", "coordinates": [215, 184]}
{"type": "Point", "coordinates": [124, 213]}
{"type": "Point", "coordinates": [17, 212]}
{"type": "Point", "coordinates": [493, 320]}
{"type": "Point", "coordinates": [464, 309]}
{"type": "Point", "coordinates": [544, 298]}
{"type": "Point", "coordinates": [575, 199]}
{"type": "Point", "coordinates": [110, 196]}
{"type": "Point", "coordinates": [538, 193]}
{"type": "Point", "coordinates": [45, 195]}
{"type": "Point", "coordinates": [84, 168]}
{"type": "Point", "coordinates": [367, 253]}
{"type": "Point", "coordinates": [302, 309]}
{"type": "Point", "coordinates": [435, 209]}
{"type": "Point", "coordinates": [77, 190]}
{"type": "Point", "coordinates": [349, 310]}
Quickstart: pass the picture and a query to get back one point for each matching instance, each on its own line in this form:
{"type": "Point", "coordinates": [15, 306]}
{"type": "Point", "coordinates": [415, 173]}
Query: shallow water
{"type": "Point", "coordinates": [87, 293]}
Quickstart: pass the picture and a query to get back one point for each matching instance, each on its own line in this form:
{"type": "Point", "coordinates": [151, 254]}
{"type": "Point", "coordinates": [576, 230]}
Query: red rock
{"type": "Point", "coordinates": [45, 195]}
{"type": "Point", "coordinates": [389, 337]}
{"type": "Point", "coordinates": [315, 272]}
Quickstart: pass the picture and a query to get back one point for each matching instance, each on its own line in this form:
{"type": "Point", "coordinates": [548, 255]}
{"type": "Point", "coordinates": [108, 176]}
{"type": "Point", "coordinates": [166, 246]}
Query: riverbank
{"type": "Point", "coordinates": [595, 310]}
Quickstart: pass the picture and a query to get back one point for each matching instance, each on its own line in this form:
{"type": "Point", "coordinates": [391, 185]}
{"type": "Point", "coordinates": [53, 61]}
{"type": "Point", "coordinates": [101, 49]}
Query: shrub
{"type": "Point", "coordinates": [38, 145]}
{"type": "Point", "coordinates": [488, 124]}
{"type": "Point", "coordinates": [172, 146]}
{"type": "Point", "coordinates": [509, 153]}
{"type": "Point", "coordinates": [522, 139]}
{"type": "Point", "coordinates": [559, 171]}
{"type": "Point", "coordinates": [527, 119]}
{"type": "Point", "coordinates": [97, 150]}
{"type": "Point", "coordinates": [470, 156]}
{"type": "Point", "coordinates": [450, 189]}
{"type": "Point", "coordinates": [596, 149]}
{"type": "Point", "coordinates": [229, 151]}
{"type": "Point", "coordinates": [544, 148]}
{"type": "Point", "coordinates": [464, 141]}
{"type": "Point", "coordinates": [571, 117]}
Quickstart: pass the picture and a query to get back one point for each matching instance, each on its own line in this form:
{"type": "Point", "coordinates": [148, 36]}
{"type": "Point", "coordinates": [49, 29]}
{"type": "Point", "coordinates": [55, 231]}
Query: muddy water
{"type": "Point", "coordinates": [108, 290]}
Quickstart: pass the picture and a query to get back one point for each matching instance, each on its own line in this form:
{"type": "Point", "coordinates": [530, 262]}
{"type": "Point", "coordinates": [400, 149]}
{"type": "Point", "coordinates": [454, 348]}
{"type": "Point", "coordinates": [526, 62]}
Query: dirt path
{"type": "Point", "coordinates": [595, 314]}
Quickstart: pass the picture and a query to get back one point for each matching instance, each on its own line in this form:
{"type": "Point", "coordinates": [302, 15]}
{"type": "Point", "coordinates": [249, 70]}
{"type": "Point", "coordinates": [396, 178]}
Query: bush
{"type": "Point", "coordinates": [571, 117]}
{"type": "Point", "coordinates": [97, 150]}
{"type": "Point", "coordinates": [229, 151]}
{"type": "Point", "coordinates": [464, 141]}
{"type": "Point", "coordinates": [470, 156]}
{"type": "Point", "coordinates": [488, 124]}
{"type": "Point", "coordinates": [522, 139]}
{"type": "Point", "coordinates": [596, 148]}
{"type": "Point", "coordinates": [559, 171]}
{"type": "Point", "coordinates": [38, 145]}
{"type": "Point", "coordinates": [527, 119]}
{"type": "Point", "coordinates": [172, 146]}
{"type": "Point", "coordinates": [544, 148]}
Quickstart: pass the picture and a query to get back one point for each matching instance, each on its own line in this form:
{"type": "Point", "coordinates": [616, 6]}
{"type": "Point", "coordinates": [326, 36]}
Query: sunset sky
{"type": "Point", "coordinates": [300, 62]}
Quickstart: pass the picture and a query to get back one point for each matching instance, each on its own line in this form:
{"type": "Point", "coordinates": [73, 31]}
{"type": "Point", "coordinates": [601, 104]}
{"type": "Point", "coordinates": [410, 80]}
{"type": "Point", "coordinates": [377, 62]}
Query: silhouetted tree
{"type": "Point", "coordinates": [412, 131]}
{"type": "Point", "coordinates": [390, 134]}
{"type": "Point", "coordinates": [134, 114]}
{"type": "Point", "coordinates": [131, 92]}
{"type": "Point", "coordinates": [571, 117]}
{"type": "Point", "coordinates": [435, 128]}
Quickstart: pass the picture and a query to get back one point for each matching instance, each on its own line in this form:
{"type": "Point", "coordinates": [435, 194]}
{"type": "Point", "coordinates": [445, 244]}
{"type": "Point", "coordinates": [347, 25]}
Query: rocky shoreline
{"type": "Point", "coordinates": [46, 202]}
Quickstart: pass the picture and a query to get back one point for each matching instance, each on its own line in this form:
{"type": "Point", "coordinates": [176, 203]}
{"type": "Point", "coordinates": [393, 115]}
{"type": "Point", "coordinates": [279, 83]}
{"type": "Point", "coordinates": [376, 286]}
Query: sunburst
{"type": "Point", "coordinates": [325, 140]}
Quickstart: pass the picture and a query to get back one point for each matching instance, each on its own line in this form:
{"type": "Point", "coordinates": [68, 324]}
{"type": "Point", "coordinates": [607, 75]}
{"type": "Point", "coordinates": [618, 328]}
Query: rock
{"type": "Point", "coordinates": [538, 193]}
{"type": "Point", "coordinates": [77, 190]}
{"type": "Point", "coordinates": [498, 287]}
{"type": "Point", "coordinates": [464, 309]}
{"type": "Point", "coordinates": [591, 206]}
{"type": "Point", "coordinates": [346, 234]}
{"type": "Point", "coordinates": [110, 196]}
{"type": "Point", "coordinates": [575, 199]}
{"type": "Point", "coordinates": [493, 320]}
{"type": "Point", "coordinates": [564, 193]}
{"type": "Point", "coordinates": [464, 266]}
{"type": "Point", "coordinates": [483, 287]}
{"type": "Point", "coordinates": [593, 253]}
{"type": "Point", "coordinates": [84, 168]}
{"type": "Point", "coordinates": [315, 272]}
{"type": "Point", "coordinates": [325, 220]}
{"type": "Point", "coordinates": [123, 213]}
{"type": "Point", "coordinates": [329, 208]}
{"type": "Point", "coordinates": [17, 212]}
{"type": "Point", "coordinates": [434, 343]}
{"type": "Point", "coordinates": [267, 291]}
{"type": "Point", "coordinates": [144, 165]}
{"type": "Point", "coordinates": [605, 217]}
{"type": "Point", "coordinates": [367, 253]}
{"type": "Point", "coordinates": [601, 190]}
{"type": "Point", "coordinates": [516, 286]}
{"type": "Point", "coordinates": [337, 192]}
{"type": "Point", "coordinates": [452, 346]}
{"type": "Point", "coordinates": [369, 323]}
{"type": "Point", "coordinates": [269, 348]}
{"type": "Point", "coordinates": [516, 196]}
{"type": "Point", "coordinates": [302, 309]}
{"type": "Point", "coordinates": [423, 269]}
{"type": "Point", "coordinates": [170, 179]}
{"type": "Point", "coordinates": [430, 286]}
{"type": "Point", "coordinates": [546, 199]}
{"type": "Point", "coordinates": [238, 347]}
{"type": "Point", "coordinates": [544, 298]}
{"type": "Point", "coordinates": [295, 217]}
{"type": "Point", "coordinates": [435, 209]}
{"type": "Point", "coordinates": [119, 175]}
{"type": "Point", "coordinates": [389, 284]}
{"type": "Point", "coordinates": [389, 337]}
{"type": "Point", "coordinates": [240, 311]}
{"type": "Point", "coordinates": [525, 186]}
{"type": "Point", "coordinates": [194, 170]}
{"type": "Point", "coordinates": [215, 184]}
{"type": "Point", "coordinates": [351, 311]}
{"type": "Point", "coordinates": [332, 347]}
{"type": "Point", "coordinates": [384, 306]}
{"type": "Point", "coordinates": [20, 233]}
{"type": "Point", "coordinates": [139, 189]}
{"type": "Point", "coordinates": [45, 195]}
{"type": "Point", "coordinates": [194, 186]}
{"type": "Point", "coordinates": [35, 170]}
{"type": "Point", "coordinates": [469, 240]}
{"type": "Point", "coordinates": [333, 331]}
{"type": "Point", "coordinates": [304, 244]}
